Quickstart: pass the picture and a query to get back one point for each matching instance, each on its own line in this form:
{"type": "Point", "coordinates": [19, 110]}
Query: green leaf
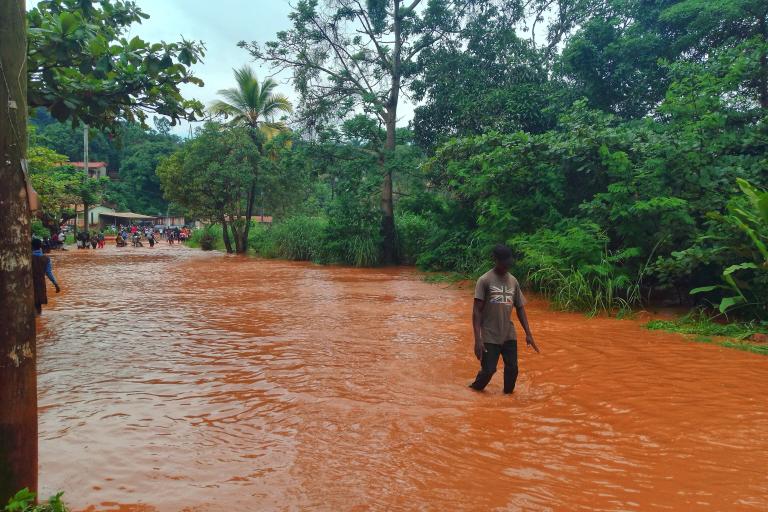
{"type": "Point", "coordinates": [729, 302]}
{"type": "Point", "coordinates": [185, 57]}
{"type": "Point", "coordinates": [68, 22]}
{"type": "Point", "coordinates": [20, 501]}
{"type": "Point", "coordinates": [60, 111]}
{"type": "Point", "coordinates": [704, 289]}
{"type": "Point", "coordinates": [741, 266]}
{"type": "Point", "coordinates": [153, 65]}
{"type": "Point", "coordinates": [136, 44]}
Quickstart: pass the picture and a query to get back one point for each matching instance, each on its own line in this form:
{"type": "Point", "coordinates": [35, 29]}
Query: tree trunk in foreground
{"type": "Point", "coordinates": [18, 385]}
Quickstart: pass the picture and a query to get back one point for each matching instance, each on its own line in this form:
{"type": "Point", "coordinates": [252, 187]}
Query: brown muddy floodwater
{"type": "Point", "coordinates": [172, 379]}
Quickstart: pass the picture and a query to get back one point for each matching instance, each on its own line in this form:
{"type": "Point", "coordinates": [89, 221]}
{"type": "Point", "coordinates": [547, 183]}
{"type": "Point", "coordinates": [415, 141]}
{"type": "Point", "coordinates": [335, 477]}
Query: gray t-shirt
{"type": "Point", "coordinates": [500, 294]}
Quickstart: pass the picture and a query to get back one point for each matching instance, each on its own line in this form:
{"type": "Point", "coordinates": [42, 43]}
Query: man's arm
{"type": "Point", "coordinates": [477, 315]}
{"type": "Point", "coordinates": [524, 322]}
{"type": "Point", "coordinates": [49, 273]}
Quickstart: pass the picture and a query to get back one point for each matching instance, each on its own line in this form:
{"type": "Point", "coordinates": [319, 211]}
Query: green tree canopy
{"type": "Point", "coordinates": [213, 176]}
{"type": "Point", "coordinates": [83, 68]}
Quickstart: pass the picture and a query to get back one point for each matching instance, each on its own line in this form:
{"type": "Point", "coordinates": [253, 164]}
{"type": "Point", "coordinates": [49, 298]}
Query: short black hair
{"type": "Point", "coordinates": [37, 244]}
{"type": "Point", "coordinates": [502, 253]}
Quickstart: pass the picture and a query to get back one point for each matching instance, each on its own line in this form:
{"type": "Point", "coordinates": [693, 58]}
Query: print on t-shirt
{"type": "Point", "coordinates": [501, 295]}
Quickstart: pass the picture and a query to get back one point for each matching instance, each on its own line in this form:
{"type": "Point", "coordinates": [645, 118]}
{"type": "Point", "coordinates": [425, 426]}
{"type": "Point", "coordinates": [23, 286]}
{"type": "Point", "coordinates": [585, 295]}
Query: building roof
{"type": "Point", "coordinates": [130, 215]}
{"type": "Point", "coordinates": [91, 165]}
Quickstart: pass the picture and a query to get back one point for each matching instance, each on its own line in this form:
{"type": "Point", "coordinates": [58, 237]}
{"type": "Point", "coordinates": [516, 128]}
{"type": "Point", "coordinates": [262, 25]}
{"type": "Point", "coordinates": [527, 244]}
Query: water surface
{"type": "Point", "coordinates": [172, 379]}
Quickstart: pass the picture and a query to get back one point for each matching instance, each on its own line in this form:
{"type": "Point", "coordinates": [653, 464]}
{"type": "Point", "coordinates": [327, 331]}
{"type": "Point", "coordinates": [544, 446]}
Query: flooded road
{"type": "Point", "coordinates": [172, 379]}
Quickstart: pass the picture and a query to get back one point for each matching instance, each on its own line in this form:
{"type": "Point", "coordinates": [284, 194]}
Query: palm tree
{"type": "Point", "coordinates": [252, 104]}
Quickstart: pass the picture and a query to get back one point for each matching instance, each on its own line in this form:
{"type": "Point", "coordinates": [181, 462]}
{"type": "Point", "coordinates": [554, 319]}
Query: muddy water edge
{"type": "Point", "coordinates": [173, 379]}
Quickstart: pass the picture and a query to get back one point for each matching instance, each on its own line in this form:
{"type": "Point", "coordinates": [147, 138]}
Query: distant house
{"type": "Point", "coordinates": [95, 169]}
{"type": "Point", "coordinates": [102, 216]}
{"type": "Point", "coordinates": [172, 220]}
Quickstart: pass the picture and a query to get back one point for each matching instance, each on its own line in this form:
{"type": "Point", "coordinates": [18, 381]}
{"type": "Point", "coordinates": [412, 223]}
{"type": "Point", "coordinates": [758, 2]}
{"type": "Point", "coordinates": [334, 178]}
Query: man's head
{"type": "Point", "coordinates": [37, 244]}
{"type": "Point", "coordinates": [502, 257]}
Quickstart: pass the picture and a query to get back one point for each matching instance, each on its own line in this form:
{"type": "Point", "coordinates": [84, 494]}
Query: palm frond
{"type": "Point", "coordinates": [276, 103]}
{"type": "Point", "coordinates": [222, 108]}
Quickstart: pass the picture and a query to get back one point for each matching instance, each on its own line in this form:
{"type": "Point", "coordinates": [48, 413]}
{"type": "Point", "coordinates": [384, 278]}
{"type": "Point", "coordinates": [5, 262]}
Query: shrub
{"type": "Point", "coordinates": [207, 239]}
{"type": "Point", "coordinates": [299, 238]}
{"type": "Point", "coordinates": [413, 234]}
{"type": "Point", "coordinates": [459, 250]}
{"type": "Point", "coordinates": [353, 242]}
{"type": "Point", "coordinates": [746, 281]}
{"type": "Point", "coordinates": [573, 268]}
{"type": "Point", "coordinates": [361, 250]}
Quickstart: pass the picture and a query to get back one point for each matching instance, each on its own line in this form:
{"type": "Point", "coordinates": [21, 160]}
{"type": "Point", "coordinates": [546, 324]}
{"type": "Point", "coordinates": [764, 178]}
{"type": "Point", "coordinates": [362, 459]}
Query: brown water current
{"type": "Point", "coordinates": [172, 379]}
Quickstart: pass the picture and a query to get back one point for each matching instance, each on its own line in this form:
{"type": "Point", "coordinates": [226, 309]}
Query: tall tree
{"type": "Point", "coordinates": [18, 384]}
{"type": "Point", "coordinates": [616, 58]}
{"type": "Point", "coordinates": [55, 183]}
{"type": "Point", "coordinates": [254, 105]}
{"type": "Point", "coordinates": [346, 54]}
{"type": "Point", "coordinates": [496, 80]}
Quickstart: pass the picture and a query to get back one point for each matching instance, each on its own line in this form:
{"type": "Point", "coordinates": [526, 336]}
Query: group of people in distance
{"type": "Point", "coordinates": [54, 242]}
{"type": "Point", "coordinates": [137, 234]}
{"type": "Point", "coordinates": [85, 238]}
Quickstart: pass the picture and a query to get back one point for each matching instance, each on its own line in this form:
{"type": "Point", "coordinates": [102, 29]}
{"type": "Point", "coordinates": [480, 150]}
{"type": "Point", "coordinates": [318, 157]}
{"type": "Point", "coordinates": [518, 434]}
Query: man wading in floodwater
{"type": "Point", "coordinates": [497, 291]}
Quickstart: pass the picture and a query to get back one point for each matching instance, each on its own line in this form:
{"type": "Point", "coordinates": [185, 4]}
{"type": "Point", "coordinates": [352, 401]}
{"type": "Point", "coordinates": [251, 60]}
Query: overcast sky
{"type": "Point", "coordinates": [220, 24]}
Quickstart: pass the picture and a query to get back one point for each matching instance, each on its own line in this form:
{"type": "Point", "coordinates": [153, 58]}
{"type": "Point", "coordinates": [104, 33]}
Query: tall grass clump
{"type": "Point", "coordinates": [361, 251]}
{"type": "Point", "coordinates": [572, 267]}
{"type": "Point", "coordinates": [299, 238]}
{"type": "Point", "coordinates": [207, 239]}
{"type": "Point", "coordinates": [353, 241]}
{"type": "Point", "coordinates": [458, 251]}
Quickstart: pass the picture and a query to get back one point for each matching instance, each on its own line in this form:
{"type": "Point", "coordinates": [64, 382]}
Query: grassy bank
{"type": "Point", "coordinates": [699, 327]}
{"type": "Point", "coordinates": [299, 238]}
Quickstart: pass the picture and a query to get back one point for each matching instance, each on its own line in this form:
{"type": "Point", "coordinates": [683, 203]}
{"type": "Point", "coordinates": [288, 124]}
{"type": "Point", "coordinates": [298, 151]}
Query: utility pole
{"type": "Point", "coordinates": [86, 223]}
{"type": "Point", "coordinates": [18, 377]}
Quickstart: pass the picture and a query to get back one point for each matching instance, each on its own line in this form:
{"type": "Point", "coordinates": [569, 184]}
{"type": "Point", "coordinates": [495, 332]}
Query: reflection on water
{"type": "Point", "coordinates": [172, 379]}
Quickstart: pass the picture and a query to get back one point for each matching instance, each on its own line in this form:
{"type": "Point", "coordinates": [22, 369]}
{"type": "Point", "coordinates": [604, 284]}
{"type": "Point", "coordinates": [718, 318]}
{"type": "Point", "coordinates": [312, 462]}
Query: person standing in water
{"type": "Point", "coordinates": [496, 293]}
{"type": "Point", "coordinates": [41, 267]}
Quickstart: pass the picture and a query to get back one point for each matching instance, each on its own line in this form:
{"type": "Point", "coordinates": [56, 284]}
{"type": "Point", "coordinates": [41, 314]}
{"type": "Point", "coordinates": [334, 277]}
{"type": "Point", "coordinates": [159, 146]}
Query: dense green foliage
{"type": "Point", "coordinates": [134, 152]}
{"type": "Point", "coordinates": [82, 67]}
